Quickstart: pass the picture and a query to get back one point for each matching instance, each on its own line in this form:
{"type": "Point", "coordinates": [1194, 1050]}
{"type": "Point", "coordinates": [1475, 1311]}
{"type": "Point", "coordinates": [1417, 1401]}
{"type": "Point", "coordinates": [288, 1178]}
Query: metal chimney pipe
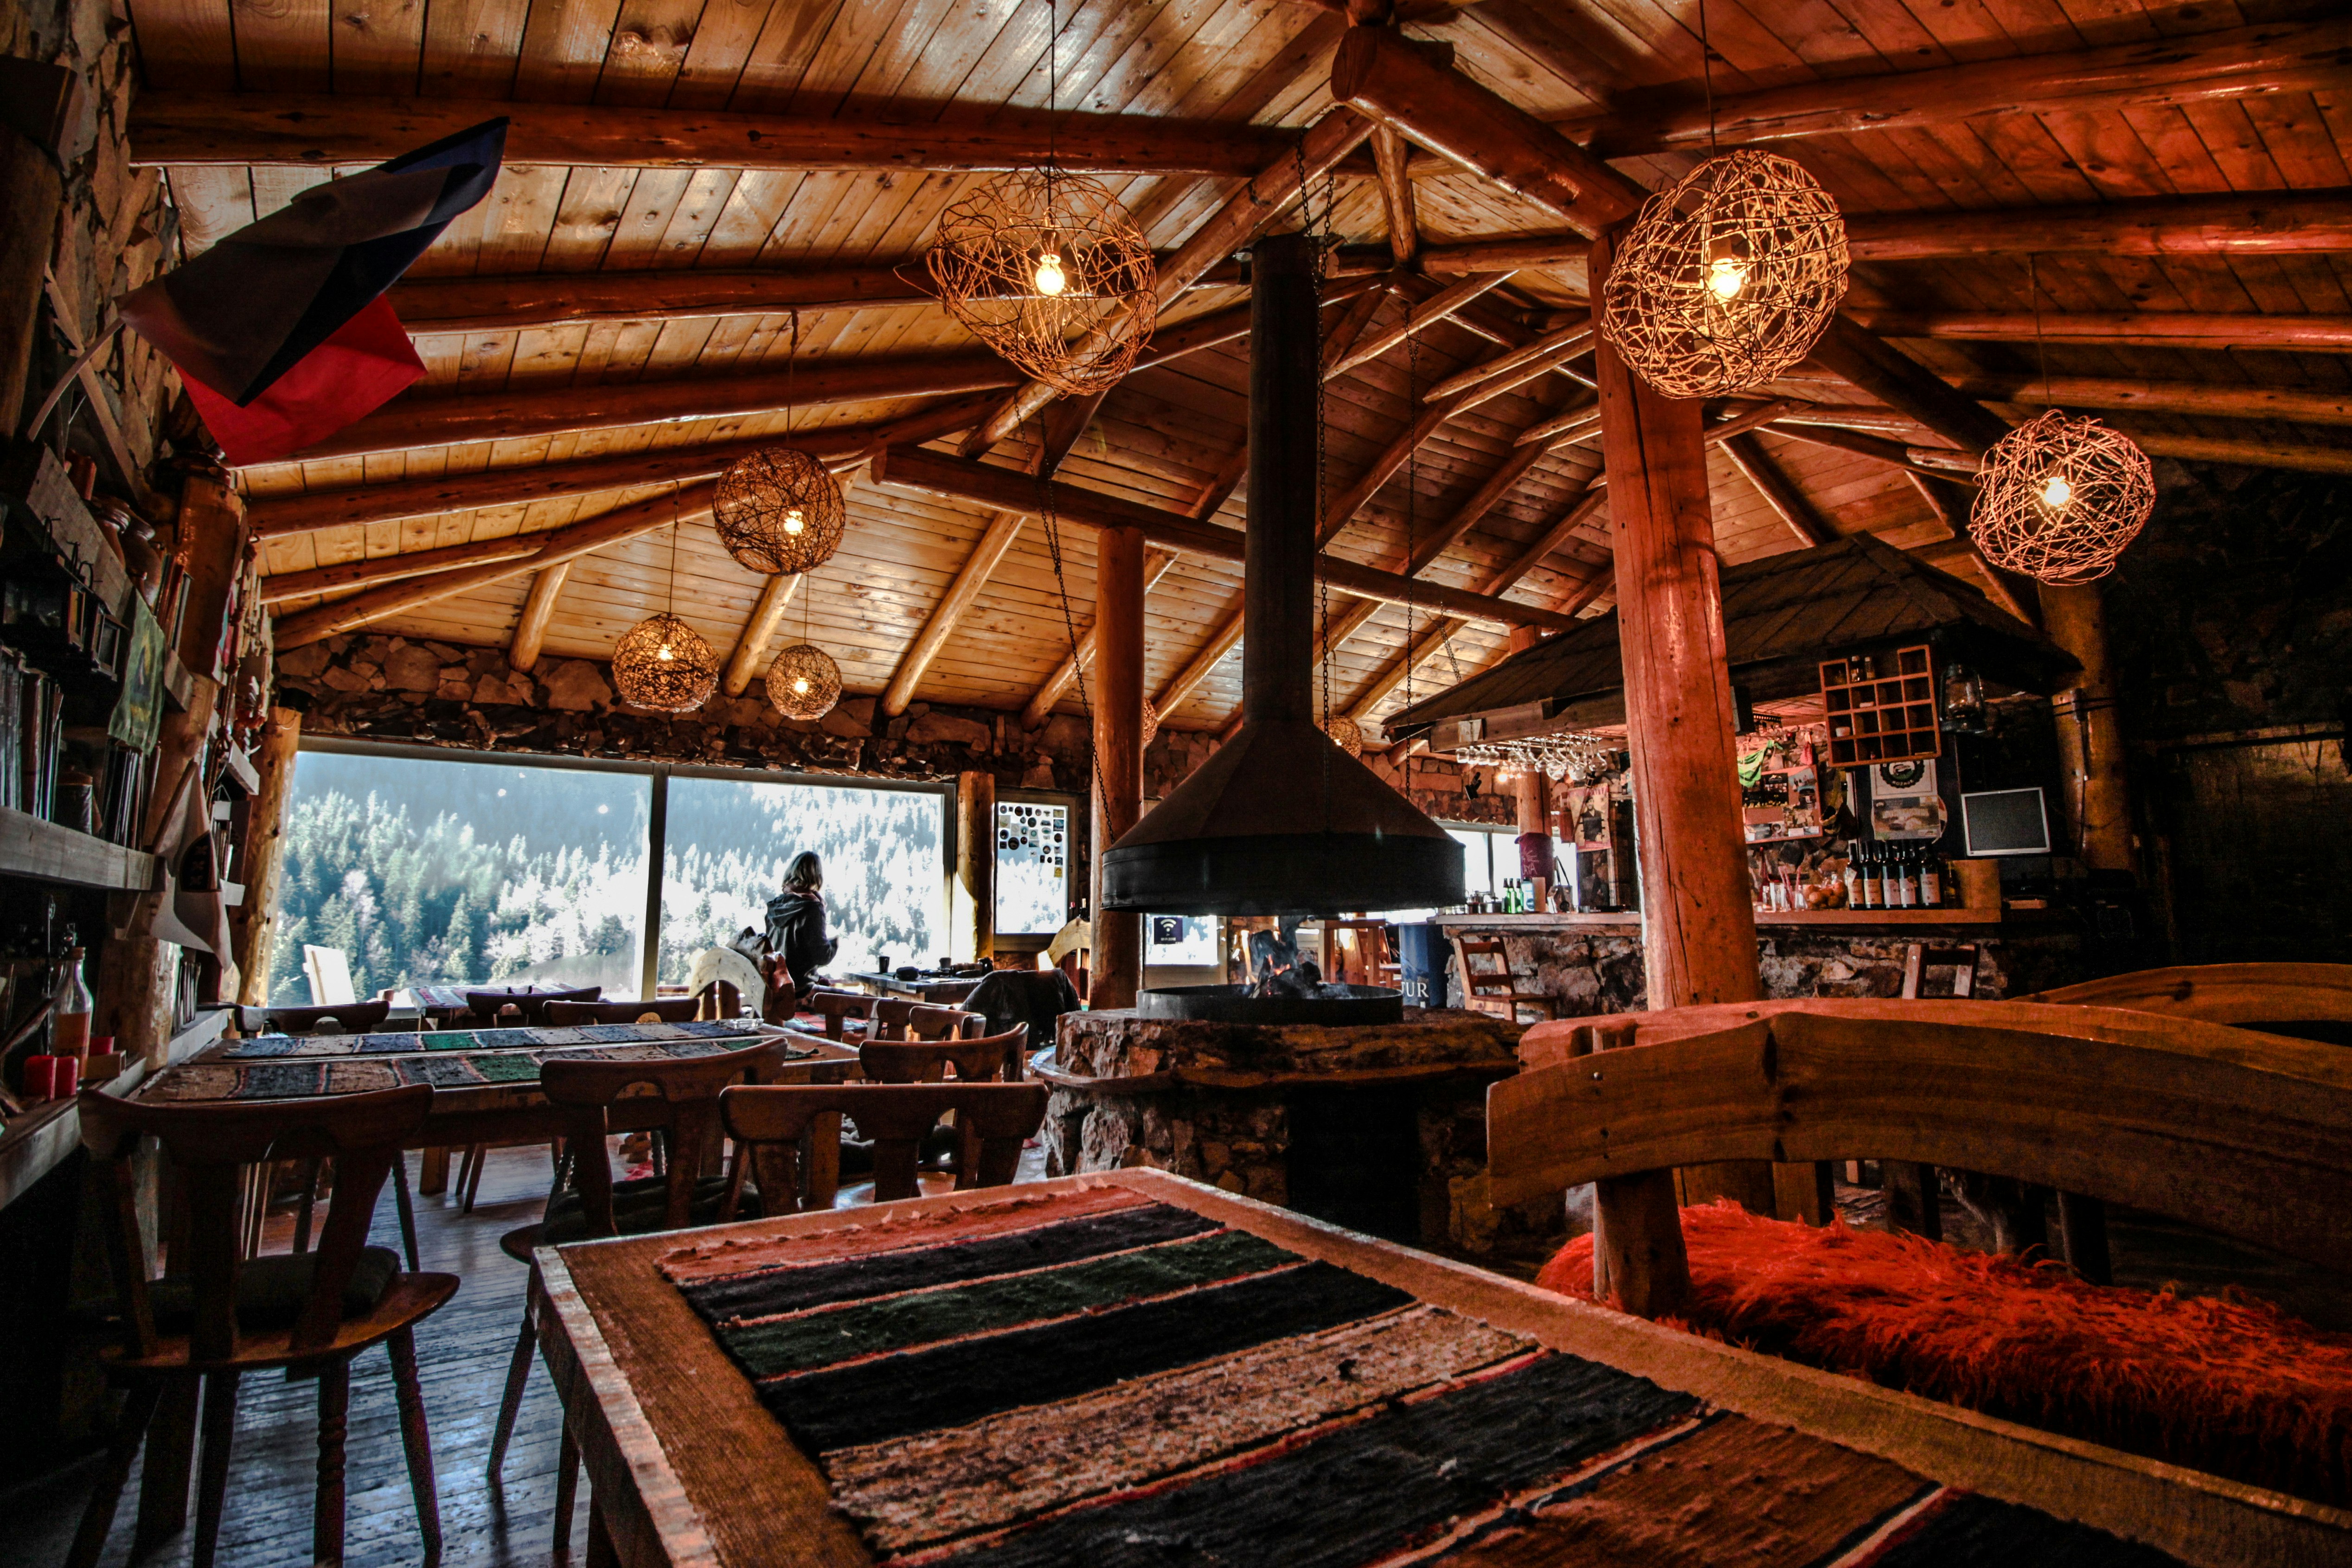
{"type": "Point", "coordinates": [1285, 381]}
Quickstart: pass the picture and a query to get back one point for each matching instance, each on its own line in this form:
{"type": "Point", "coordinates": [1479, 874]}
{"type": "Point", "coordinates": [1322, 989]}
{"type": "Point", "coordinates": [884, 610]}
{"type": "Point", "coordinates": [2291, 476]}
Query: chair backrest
{"type": "Point", "coordinates": [210, 1145]}
{"type": "Point", "coordinates": [531, 1005]}
{"type": "Point", "coordinates": [930, 1021]}
{"type": "Point", "coordinates": [1476, 980]}
{"type": "Point", "coordinates": [664, 1010]}
{"type": "Point", "coordinates": [1919, 958]}
{"type": "Point", "coordinates": [976, 1059]}
{"type": "Point", "coordinates": [2247, 1134]}
{"type": "Point", "coordinates": [583, 1090]}
{"type": "Point", "coordinates": [994, 1119]}
{"type": "Point", "coordinates": [890, 1017]}
{"type": "Point", "coordinates": [835, 1006]}
{"type": "Point", "coordinates": [328, 971]}
{"type": "Point", "coordinates": [2224, 993]}
{"type": "Point", "coordinates": [356, 1018]}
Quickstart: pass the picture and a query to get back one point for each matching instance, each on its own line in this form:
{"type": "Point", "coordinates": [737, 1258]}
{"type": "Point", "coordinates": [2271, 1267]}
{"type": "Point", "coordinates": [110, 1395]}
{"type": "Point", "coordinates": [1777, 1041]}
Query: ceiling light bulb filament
{"type": "Point", "coordinates": [1050, 279]}
{"type": "Point", "coordinates": [2057, 492]}
{"type": "Point", "coordinates": [793, 522]}
{"type": "Point", "coordinates": [800, 685]}
{"type": "Point", "coordinates": [1726, 277]}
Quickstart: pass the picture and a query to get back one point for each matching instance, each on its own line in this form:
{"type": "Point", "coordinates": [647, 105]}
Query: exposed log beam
{"type": "Point", "coordinates": [1221, 643]}
{"type": "Point", "coordinates": [840, 448]}
{"type": "Point", "coordinates": [514, 302]}
{"type": "Point", "coordinates": [1852, 416]}
{"type": "Point", "coordinates": [960, 597]}
{"type": "Point", "coordinates": [1275, 183]}
{"type": "Point", "coordinates": [2301, 404]}
{"type": "Point", "coordinates": [1953, 465]}
{"type": "Point", "coordinates": [1010, 490]}
{"type": "Point", "coordinates": [2258, 222]}
{"type": "Point", "coordinates": [1552, 347]}
{"type": "Point", "coordinates": [1351, 325]}
{"type": "Point", "coordinates": [2139, 328]}
{"type": "Point", "coordinates": [1380, 73]}
{"type": "Point", "coordinates": [1418, 319]}
{"type": "Point", "coordinates": [392, 568]}
{"type": "Point", "coordinates": [2302, 456]}
{"type": "Point", "coordinates": [238, 129]}
{"type": "Point", "coordinates": [1748, 455]}
{"type": "Point", "coordinates": [409, 422]}
{"type": "Point", "coordinates": [1950, 503]}
{"type": "Point", "coordinates": [557, 547]}
{"type": "Point", "coordinates": [1157, 563]}
{"type": "Point", "coordinates": [1900, 381]}
{"type": "Point", "coordinates": [1578, 419]}
{"type": "Point", "coordinates": [744, 665]}
{"type": "Point", "coordinates": [1390, 153]}
{"type": "Point", "coordinates": [530, 626]}
{"type": "Point", "coordinates": [2151, 73]}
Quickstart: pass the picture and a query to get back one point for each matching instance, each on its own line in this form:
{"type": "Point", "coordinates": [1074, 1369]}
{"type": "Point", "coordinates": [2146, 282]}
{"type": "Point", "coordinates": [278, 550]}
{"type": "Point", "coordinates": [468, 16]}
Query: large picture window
{"type": "Point", "coordinates": [424, 870]}
{"type": "Point", "coordinates": [884, 854]}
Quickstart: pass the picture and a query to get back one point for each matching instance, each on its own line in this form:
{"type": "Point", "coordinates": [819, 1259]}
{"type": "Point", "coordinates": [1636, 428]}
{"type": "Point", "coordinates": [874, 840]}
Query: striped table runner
{"type": "Point", "coordinates": [297, 1079]}
{"type": "Point", "coordinates": [1096, 1378]}
{"type": "Point", "coordinates": [261, 1047]}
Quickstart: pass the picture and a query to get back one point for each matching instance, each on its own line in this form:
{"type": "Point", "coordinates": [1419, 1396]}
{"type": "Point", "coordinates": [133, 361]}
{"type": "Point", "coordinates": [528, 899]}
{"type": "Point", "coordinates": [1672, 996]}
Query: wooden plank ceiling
{"type": "Point", "coordinates": [2228, 337]}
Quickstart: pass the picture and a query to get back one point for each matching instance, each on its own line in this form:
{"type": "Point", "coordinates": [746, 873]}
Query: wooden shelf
{"type": "Point", "coordinates": [32, 847]}
{"type": "Point", "coordinates": [37, 1143]}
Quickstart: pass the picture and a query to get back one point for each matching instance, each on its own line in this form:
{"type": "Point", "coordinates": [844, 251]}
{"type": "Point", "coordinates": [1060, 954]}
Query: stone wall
{"type": "Point", "coordinates": [1447, 791]}
{"type": "Point", "coordinates": [376, 687]}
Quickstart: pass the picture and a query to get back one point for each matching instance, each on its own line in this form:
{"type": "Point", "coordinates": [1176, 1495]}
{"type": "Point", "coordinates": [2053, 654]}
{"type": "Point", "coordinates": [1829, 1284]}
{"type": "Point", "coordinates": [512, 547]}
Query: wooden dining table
{"type": "Point", "coordinates": [1132, 1369]}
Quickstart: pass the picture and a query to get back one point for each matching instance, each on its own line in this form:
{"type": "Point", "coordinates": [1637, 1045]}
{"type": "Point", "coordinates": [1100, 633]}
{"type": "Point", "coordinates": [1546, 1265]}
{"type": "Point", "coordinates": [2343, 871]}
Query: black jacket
{"type": "Point", "coordinates": [796, 934]}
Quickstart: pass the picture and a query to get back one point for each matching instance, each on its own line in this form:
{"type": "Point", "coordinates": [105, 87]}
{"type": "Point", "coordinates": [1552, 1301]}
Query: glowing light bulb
{"type": "Point", "coordinates": [1725, 276]}
{"type": "Point", "coordinates": [793, 522]}
{"type": "Point", "coordinates": [663, 654]}
{"type": "Point", "coordinates": [2055, 491]}
{"type": "Point", "coordinates": [1050, 280]}
{"type": "Point", "coordinates": [800, 685]}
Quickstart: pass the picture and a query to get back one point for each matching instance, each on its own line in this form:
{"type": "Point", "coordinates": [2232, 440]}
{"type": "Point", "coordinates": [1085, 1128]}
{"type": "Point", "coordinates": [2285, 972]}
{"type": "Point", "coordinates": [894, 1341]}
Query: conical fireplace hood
{"type": "Point", "coordinates": [1281, 821]}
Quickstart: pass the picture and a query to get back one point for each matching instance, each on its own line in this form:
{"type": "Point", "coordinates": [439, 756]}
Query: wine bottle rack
{"type": "Point", "coordinates": [1884, 717]}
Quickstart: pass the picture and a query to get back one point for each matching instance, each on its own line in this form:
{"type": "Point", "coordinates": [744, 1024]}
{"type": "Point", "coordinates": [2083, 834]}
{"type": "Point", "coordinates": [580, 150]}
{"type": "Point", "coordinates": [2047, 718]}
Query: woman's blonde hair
{"type": "Point", "coordinates": [806, 872]}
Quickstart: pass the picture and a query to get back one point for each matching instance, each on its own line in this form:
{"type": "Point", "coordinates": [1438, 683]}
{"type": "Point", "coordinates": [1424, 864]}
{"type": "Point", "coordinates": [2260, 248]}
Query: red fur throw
{"type": "Point", "coordinates": [2235, 1388]}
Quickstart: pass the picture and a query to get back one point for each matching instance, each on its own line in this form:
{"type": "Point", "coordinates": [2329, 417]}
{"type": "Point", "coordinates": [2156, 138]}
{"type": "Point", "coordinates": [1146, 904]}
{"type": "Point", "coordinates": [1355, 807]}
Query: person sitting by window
{"type": "Point", "coordinates": [796, 924]}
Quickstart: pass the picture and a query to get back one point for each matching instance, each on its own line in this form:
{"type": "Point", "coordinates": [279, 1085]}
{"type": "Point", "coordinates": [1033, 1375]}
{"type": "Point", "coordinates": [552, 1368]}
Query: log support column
{"type": "Point", "coordinates": [264, 856]}
{"type": "Point", "coordinates": [976, 857]}
{"type": "Point", "coordinates": [1117, 968]}
{"type": "Point", "coordinates": [2090, 737]}
{"type": "Point", "coordinates": [1698, 927]}
{"type": "Point", "coordinates": [1534, 800]}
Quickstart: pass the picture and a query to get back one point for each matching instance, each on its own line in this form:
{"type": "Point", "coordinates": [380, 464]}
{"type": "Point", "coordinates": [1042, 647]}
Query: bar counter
{"type": "Point", "coordinates": [1593, 962]}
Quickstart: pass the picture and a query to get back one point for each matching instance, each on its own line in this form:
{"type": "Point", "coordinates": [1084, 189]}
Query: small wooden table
{"type": "Point", "coordinates": [942, 990]}
{"type": "Point", "coordinates": [689, 1468]}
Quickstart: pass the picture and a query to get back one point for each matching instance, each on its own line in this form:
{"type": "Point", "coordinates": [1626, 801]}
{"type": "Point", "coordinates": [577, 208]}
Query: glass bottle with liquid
{"type": "Point", "coordinates": [70, 1017]}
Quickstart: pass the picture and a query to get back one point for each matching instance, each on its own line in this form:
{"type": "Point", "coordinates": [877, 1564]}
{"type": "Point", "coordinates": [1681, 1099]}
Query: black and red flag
{"type": "Point", "coordinates": [281, 330]}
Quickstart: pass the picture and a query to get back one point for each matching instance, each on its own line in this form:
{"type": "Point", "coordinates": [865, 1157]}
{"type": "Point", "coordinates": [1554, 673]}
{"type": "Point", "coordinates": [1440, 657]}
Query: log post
{"type": "Point", "coordinates": [135, 970]}
{"type": "Point", "coordinates": [1534, 800]}
{"type": "Point", "coordinates": [211, 540]}
{"type": "Point", "coordinates": [265, 855]}
{"type": "Point", "coordinates": [2090, 737]}
{"type": "Point", "coordinates": [1118, 965]}
{"type": "Point", "coordinates": [538, 609]}
{"type": "Point", "coordinates": [1698, 927]}
{"type": "Point", "coordinates": [976, 856]}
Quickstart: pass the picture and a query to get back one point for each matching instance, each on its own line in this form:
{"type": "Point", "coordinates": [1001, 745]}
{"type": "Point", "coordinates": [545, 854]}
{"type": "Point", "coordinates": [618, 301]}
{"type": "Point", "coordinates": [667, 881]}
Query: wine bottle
{"type": "Point", "coordinates": [1931, 880]}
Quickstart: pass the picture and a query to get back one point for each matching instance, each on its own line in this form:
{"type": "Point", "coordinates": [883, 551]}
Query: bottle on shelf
{"type": "Point", "coordinates": [70, 1018]}
{"type": "Point", "coordinates": [1853, 875]}
{"type": "Point", "coordinates": [1931, 879]}
{"type": "Point", "coordinates": [1873, 877]}
{"type": "Point", "coordinates": [1907, 880]}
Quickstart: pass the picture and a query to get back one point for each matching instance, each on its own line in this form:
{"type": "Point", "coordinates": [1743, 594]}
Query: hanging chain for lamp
{"type": "Point", "coordinates": [2059, 497]}
{"type": "Point", "coordinates": [1730, 275]}
{"type": "Point", "coordinates": [779, 511]}
{"type": "Point", "coordinates": [661, 663]}
{"type": "Point", "coordinates": [1048, 269]}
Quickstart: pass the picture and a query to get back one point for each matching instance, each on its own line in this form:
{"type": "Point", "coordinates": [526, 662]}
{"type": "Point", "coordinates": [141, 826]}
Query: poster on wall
{"type": "Point", "coordinates": [1904, 803]}
{"type": "Point", "coordinates": [1033, 860]}
{"type": "Point", "coordinates": [1585, 818]}
{"type": "Point", "coordinates": [1780, 791]}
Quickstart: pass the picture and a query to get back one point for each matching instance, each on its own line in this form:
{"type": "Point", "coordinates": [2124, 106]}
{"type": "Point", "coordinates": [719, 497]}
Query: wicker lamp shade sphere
{"type": "Point", "coordinates": [1047, 269]}
{"type": "Point", "coordinates": [2059, 497]}
{"type": "Point", "coordinates": [805, 682]}
{"type": "Point", "coordinates": [663, 664]}
{"type": "Point", "coordinates": [1151, 720]}
{"type": "Point", "coordinates": [1345, 734]}
{"type": "Point", "coordinates": [1729, 278]}
{"type": "Point", "coordinates": [779, 511]}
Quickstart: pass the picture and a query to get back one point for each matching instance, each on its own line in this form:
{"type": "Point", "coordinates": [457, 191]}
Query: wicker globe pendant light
{"type": "Point", "coordinates": [779, 509]}
{"type": "Point", "coordinates": [805, 682]}
{"type": "Point", "coordinates": [661, 663]}
{"type": "Point", "coordinates": [1344, 733]}
{"type": "Point", "coordinates": [2059, 497]}
{"type": "Point", "coordinates": [1729, 278]}
{"type": "Point", "coordinates": [1150, 721]}
{"type": "Point", "coordinates": [1049, 269]}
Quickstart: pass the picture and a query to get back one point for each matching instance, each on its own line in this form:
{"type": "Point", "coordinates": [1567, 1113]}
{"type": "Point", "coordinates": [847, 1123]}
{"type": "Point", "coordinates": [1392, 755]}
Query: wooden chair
{"type": "Point", "coordinates": [661, 1009]}
{"type": "Point", "coordinates": [2246, 1134]}
{"type": "Point", "coordinates": [489, 1007]}
{"type": "Point", "coordinates": [217, 1317]}
{"type": "Point", "coordinates": [1914, 1191]}
{"type": "Point", "coordinates": [898, 1017]}
{"type": "Point", "coordinates": [1496, 990]}
{"type": "Point", "coordinates": [677, 1098]}
{"type": "Point", "coordinates": [976, 1059]}
{"type": "Point", "coordinates": [997, 1118]}
{"type": "Point", "coordinates": [836, 1008]}
{"type": "Point", "coordinates": [355, 1018]}
{"type": "Point", "coordinates": [2249, 995]}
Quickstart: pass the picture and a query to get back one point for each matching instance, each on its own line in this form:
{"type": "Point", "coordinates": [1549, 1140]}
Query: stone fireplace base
{"type": "Point", "coordinates": [1389, 1119]}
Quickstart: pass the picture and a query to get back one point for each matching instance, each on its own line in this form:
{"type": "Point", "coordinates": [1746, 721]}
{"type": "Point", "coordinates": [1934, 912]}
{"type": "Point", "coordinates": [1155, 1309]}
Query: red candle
{"type": "Point", "coordinates": [67, 1079]}
{"type": "Point", "coordinates": [51, 1077]}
